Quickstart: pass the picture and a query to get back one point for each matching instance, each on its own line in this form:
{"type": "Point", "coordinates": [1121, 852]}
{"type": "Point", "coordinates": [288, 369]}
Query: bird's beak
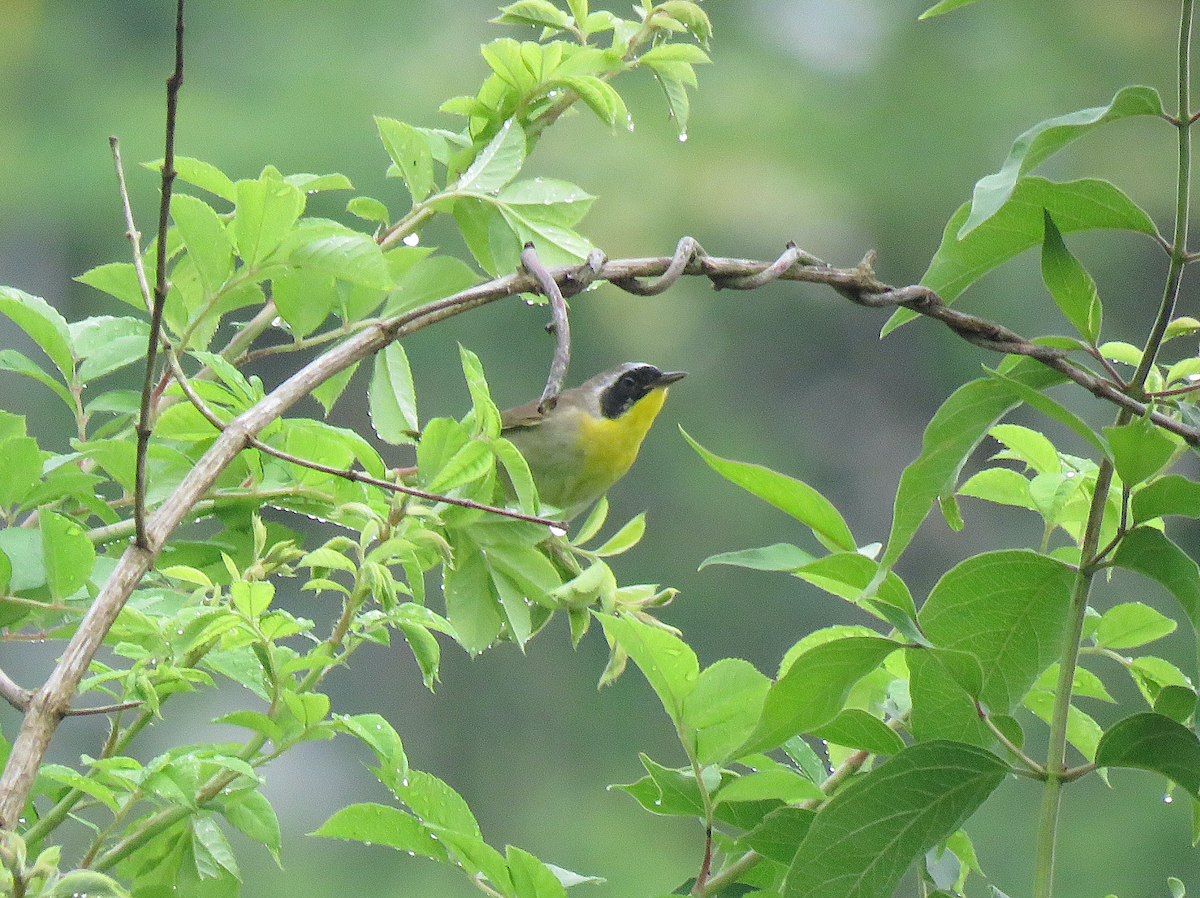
{"type": "Point", "coordinates": [669, 377]}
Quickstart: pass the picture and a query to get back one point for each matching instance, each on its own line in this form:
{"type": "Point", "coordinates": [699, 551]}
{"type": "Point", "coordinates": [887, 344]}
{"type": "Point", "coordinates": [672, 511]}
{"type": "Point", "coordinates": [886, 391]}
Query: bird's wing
{"type": "Point", "coordinates": [526, 415]}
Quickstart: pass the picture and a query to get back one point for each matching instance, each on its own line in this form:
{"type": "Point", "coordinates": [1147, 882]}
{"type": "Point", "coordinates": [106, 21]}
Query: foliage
{"type": "Point", "coordinates": [870, 748]}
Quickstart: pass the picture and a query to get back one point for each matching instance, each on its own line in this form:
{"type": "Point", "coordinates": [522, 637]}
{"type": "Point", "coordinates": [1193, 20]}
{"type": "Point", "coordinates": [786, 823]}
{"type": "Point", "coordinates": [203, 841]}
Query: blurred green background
{"type": "Point", "coordinates": [845, 125]}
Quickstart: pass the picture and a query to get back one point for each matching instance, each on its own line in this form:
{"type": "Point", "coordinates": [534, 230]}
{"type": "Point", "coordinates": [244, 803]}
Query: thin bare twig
{"type": "Point", "coordinates": [145, 425]}
{"type": "Point", "coordinates": [131, 231]}
{"type": "Point", "coordinates": [560, 326]}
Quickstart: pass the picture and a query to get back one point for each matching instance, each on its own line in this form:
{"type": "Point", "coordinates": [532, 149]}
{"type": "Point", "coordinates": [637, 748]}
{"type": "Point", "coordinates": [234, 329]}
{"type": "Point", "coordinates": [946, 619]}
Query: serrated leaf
{"type": "Point", "coordinates": [391, 397]}
{"type": "Point", "coordinates": [497, 163]}
{"type": "Point", "coordinates": [266, 211]}
{"type": "Point", "coordinates": [43, 324]}
{"type": "Point", "coordinates": [667, 662]}
{"type": "Point", "coordinates": [208, 243]}
{"type": "Point", "coordinates": [410, 151]}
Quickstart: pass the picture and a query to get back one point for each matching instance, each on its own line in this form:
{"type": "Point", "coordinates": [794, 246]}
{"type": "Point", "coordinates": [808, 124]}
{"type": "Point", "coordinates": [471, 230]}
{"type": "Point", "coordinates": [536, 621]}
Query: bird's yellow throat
{"type": "Point", "coordinates": [611, 444]}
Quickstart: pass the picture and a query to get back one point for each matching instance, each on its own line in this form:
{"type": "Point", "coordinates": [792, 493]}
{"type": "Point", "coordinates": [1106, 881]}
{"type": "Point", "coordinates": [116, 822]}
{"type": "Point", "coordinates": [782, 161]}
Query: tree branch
{"type": "Point", "coordinates": [644, 276]}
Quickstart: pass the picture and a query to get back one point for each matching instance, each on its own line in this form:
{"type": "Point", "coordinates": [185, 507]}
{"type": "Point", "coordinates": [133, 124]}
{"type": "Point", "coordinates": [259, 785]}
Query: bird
{"type": "Point", "coordinates": [587, 441]}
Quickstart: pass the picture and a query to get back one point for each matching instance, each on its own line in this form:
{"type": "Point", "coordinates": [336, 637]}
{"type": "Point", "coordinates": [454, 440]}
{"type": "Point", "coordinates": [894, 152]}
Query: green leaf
{"type": "Point", "coordinates": [625, 538]}
{"type": "Point", "coordinates": [530, 877]}
{"type": "Point", "coordinates": [251, 814]}
{"type": "Point", "coordinates": [1003, 486]}
{"type": "Point", "coordinates": [791, 496]}
{"type": "Point", "coordinates": [267, 210]}
{"type": "Point", "coordinates": [1140, 450]}
{"type": "Point", "coordinates": [779, 784]}
{"type": "Point", "coordinates": [213, 853]}
{"type": "Point", "coordinates": [203, 175]}
{"type": "Point", "coordinates": [42, 323]}
{"type": "Point", "coordinates": [392, 398]}
{"type": "Point", "coordinates": [813, 691]}
{"type": "Point", "coordinates": [779, 833]}
{"type": "Point", "coordinates": [692, 16]}
{"type": "Point", "coordinates": [855, 728]}
{"type": "Point", "coordinates": [950, 438]}
{"type": "Point", "coordinates": [106, 344]}
{"type": "Point", "coordinates": [674, 79]}
{"type": "Point", "coordinates": [667, 662]}
{"type": "Point", "coordinates": [1050, 408]}
{"type": "Point", "coordinates": [848, 574]}
{"type": "Point", "coordinates": [86, 882]}
{"type": "Point", "coordinates": [374, 731]}
{"type": "Point", "coordinates": [865, 838]}
{"type": "Point", "coordinates": [369, 209]}
{"type": "Point", "coordinates": [944, 7]}
{"type": "Point", "coordinates": [348, 256]}
{"type": "Point", "coordinates": [1070, 284]}
{"type": "Point", "coordinates": [1149, 552]}
{"type": "Point", "coordinates": [68, 553]}
{"type": "Point", "coordinates": [688, 53]}
{"type": "Point", "coordinates": [410, 151]}
{"type": "Point", "coordinates": [378, 824]}
{"type": "Point", "coordinates": [206, 239]}
{"type": "Point", "coordinates": [1131, 624]}
{"type": "Point", "coordinates": [599, 96]}
{"type": "Point", "coordinates": [537, 13]}
{"type": "Point", "coordinates": [484, 410]}
{"type": "Point", "coordinates": [21, 471]}
{"type": "Point", "coordinates": [429, 279]}
{"type": "Point", "coordinates": [670, 791]}
{"type": "Point", "coordinates": [11, 360]}
{"type": "Point", "coordinates": [723, 707]}
{"type": "Point", "coordinates": [1082, 731]}
{"type": "Point", "coordinates": [304, 298]}
{"type": "Point", "coordinates": [941, 684]}
{"type": "Point", "coordinates": [471, 605]}
{"type": "Point", "coordinates": [1019, 225]}
{"type": "Point", "coordinates": [1007, 609]}
{"type": "Point", "coordinates": [497, 163]}
{"type": "Point", "coordinates": [1153, 742]}
{"type": "Point", "coordinates": [1169, 495]}
{"type": "Point", "coordinates": [777, 557]}
{"type": "Point", "coordinates": [1045, 139]}
{"type": "Point", "coordinates": [118, 279]}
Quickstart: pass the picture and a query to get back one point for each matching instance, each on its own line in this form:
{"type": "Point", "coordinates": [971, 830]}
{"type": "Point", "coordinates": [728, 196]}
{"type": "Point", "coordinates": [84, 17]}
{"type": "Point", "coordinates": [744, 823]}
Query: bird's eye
{"type": "Point", "coordinates": [628, 381]}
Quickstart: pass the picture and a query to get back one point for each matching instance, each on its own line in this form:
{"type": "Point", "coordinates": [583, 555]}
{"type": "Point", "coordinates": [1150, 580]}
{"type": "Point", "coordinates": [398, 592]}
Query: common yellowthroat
{"type": "Point", "coordinates": [589, 439]}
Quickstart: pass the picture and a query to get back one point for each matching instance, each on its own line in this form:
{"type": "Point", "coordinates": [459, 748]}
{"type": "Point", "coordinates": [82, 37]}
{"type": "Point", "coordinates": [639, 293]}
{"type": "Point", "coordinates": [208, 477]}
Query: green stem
{"type": "Point", "coordinates": [1089, 561]}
